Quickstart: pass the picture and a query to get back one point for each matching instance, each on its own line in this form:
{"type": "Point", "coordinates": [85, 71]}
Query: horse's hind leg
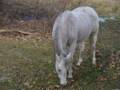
{"type": "Point", "coordinates": [81, 47]}
{"type": "Point", "coordinates": [93, 40]}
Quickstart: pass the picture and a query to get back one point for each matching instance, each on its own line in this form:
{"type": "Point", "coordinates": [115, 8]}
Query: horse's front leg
{"type": "Point", "coordinates": [72, 51]}
{"type": "Point", "coordinates": [70, 70]}
{"type": "Point", "coordinates": [81, 47]}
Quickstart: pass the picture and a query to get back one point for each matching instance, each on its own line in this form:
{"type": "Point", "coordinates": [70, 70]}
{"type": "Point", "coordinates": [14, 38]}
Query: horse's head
{"type": "Point", "coordinates": [61, 68]}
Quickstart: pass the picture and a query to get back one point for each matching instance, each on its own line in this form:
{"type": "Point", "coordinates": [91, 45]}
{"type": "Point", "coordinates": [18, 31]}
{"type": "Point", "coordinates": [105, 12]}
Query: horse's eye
{"type": "Point", "coordinates": [59, 70]}
{"type": "Point", "coordinates": [64, 55]}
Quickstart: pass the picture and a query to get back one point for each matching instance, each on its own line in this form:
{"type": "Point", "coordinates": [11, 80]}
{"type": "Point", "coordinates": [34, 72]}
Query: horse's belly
{"type": "Point", "coordinates": [84, 30]}
{"type": "Point", "coordinates": [82, 36]}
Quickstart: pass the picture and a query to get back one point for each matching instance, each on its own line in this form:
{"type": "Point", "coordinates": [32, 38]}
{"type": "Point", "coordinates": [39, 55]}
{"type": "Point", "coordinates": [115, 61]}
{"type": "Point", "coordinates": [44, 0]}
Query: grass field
{"type": "Point", "coordinates": [28, 64]}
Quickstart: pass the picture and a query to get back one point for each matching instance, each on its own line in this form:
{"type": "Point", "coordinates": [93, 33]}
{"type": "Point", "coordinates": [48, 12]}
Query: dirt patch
{"type": "Point", "coordinates": [13, 33]}
{"type": "Point", "coordinates": [22, 35]}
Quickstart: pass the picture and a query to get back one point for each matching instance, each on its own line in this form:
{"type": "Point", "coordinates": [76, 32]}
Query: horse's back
{"type": "Point", "coordinates": [86, 10]}
{"type": "Point", "coordinates": [87, 21]}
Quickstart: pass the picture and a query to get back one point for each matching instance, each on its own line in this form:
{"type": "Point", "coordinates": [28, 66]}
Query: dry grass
{"type": "Point", "coordinates": [48, 8]}
{"type": "Point", "coordinates": [39, 15]}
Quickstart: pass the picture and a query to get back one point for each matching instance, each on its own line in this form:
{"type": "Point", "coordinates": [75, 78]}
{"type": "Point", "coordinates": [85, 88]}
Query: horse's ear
{"type": "Point", "coordinates": [57, 57]}
{"type": "Point", "coordinates": [68, 56]}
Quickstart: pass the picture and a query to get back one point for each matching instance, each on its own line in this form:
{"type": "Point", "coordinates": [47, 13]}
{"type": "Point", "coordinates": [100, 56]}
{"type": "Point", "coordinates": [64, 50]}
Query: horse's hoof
{"type": "Point", "coordinates": [70, 76]}
{"type": "Point", "coordinates": [78, 64]}
{"type": "Point", "coordinates": [94, 61]}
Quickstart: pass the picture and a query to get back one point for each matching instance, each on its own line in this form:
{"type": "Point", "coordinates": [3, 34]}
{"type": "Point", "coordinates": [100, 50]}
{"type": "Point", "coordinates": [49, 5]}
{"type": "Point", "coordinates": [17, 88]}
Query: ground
{"type": "Point", "coordinates": [27, 63]}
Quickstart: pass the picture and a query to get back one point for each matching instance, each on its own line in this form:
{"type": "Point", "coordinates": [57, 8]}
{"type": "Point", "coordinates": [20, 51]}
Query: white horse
{"type": "Point", "coordinates": [72, 28]}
